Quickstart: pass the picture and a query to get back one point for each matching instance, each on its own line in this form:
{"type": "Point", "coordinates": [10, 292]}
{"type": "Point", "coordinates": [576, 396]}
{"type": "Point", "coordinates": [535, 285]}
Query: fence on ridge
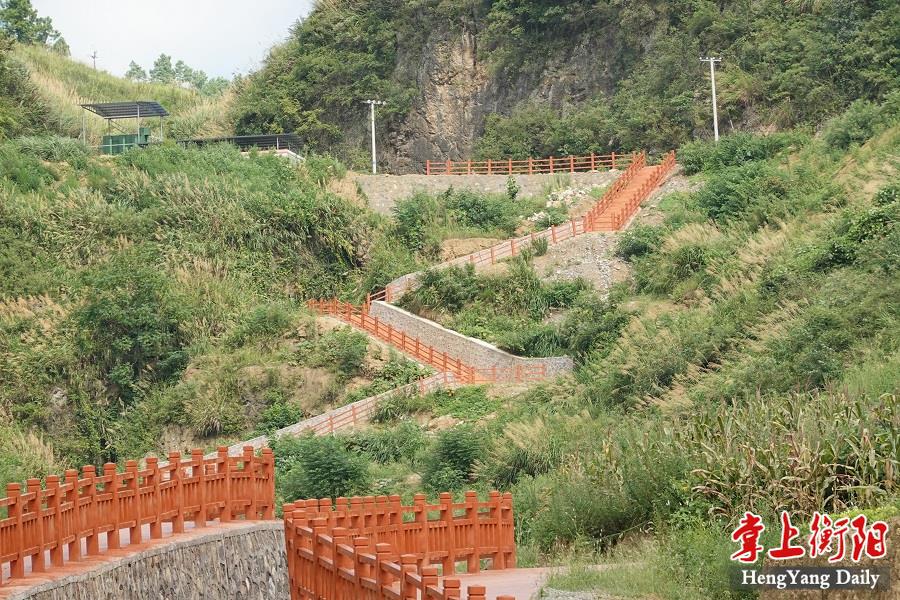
{"type": "Point", "coordinates": [376, 548]}
{"type": "Point", "coordinates": [530, 166]}
{"type": "Point", "coordinates": [91, 507]}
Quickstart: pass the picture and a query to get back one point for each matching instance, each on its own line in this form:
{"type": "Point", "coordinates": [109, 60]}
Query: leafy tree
{"type": "Point", "coordinates": [163, 71]}
{"type": "Point", "coordinates": [61, 47]}
{"type": "Point", "coordinates": [135, 72]}
{"type": "Point", "coordinates": [19, 19]}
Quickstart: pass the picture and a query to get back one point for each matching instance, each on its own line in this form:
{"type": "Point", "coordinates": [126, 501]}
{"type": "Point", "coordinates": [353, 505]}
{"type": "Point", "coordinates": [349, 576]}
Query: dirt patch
{"type": "Point", "coordinates": [457, 247]}
{"type": "Point", "coordinates": [347, 188]}
{"type": "Point", "coordinates": [589, 256]}
{"type": "Point", "coordinates": [649, 213]}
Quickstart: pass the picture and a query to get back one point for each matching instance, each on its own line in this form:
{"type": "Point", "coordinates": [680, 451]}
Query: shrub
{"type": "Point", "coordinates": [734, 150]}
{"type": "Point", "coordinates": [399, 406]}
{"type": "Point", "coordinates": [263, 323]}
{"type": "Point", "coordinates": [853, 126]}
{"type": "Point", "coordinates": [403, 441]}
{"type": "Point", "coordinates": [450, 463]}
{"type": "Point", "coordinates": [131, 323]}
{"type": "Point", "coordinates": [317, 467]}
{"type": "Point", "coordinates": [639, 240]}
{"type": "Point", "coordinates": [734, 191]}
{"type": "Point", "coordinates": [54, 149]}
{"type": "Point", "coordinates": [342, 350]}
{"type": "Point", "coordinates": [24, 171]}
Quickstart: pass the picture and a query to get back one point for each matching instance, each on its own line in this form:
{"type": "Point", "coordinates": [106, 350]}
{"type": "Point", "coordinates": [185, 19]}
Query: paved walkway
{"type": "Point", "coordinates": [521, 583]}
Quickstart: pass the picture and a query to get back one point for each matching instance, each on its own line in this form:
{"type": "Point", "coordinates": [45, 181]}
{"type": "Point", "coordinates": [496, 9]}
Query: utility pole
{"type": "Point", "coordinates": [94, 56]}
{"type": "Point", "coordinates": [712, 60]}
{"type": "Point", "coordinates": [372, 104]}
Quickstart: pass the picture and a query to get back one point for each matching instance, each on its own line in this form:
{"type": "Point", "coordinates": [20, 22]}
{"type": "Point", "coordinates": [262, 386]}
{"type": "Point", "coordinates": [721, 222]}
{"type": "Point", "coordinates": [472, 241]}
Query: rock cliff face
{"type": "Point", "coordinates": [457, 91]}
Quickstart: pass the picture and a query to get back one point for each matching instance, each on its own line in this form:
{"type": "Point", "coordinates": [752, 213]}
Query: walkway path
{"type": "Point", "coordinates": [520, 583]}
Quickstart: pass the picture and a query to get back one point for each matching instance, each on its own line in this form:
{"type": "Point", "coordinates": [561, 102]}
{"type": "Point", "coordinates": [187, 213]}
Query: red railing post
{"type": "Point", "coordinates": [571, 164]}
{"type": "Point", "coordinates": [489, 167]}
{"type": "Point", "coordinates": [56, 521]}
{"type": "Point", "coordinates": [551, 164]}
{"type": "Point", "coordinates": [613, 155]}
{"type": "Point", "coordinates": [510, 166]}
{"type": "Point", "coordinates": [91, 514]}
{"type": "Point", "coordinates": [449, 167]}
{"type": "Point", "coordinates": [530, 166]}
{"type": "Point", "coordinates": [15, 513]}
{"type": "Point", "coordinates": [428, 167]}
{"type": "Point", "coordinates": [593, 165]}
{"type": "Point", "coordinates": [111, 487]}
{"type": "Point", "coordinates": [73, 496]}
{"type": "Point", "coordinates": [198, 471]}
{"type": "Point", "coordinates": [177, 492]}
{"type": "Point", "coordinates": [136, 530]}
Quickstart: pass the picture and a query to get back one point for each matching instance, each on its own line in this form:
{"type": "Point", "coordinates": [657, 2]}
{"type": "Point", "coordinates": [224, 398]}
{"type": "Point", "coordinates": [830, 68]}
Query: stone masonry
{"type": "Point", "coordinates": [383, 191]}
{"type": "Point", "coordinates": [235, 561]}
{"type": "Point", "coordinates": [474, 352]}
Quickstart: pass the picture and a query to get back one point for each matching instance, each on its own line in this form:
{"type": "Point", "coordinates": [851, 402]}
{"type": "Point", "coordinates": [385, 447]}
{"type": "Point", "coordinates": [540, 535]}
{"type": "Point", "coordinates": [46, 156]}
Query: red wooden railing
{"type": "Point", "coordinates": [359, 316]}
{"type": "Point", "coordinates": [375, 548]}
{"type": "Point", "coordinates": [607, 214]}
{"type": "Point", "coordinates": [530, 166]}
{"type": "Point", "coordinates": [95, 508]}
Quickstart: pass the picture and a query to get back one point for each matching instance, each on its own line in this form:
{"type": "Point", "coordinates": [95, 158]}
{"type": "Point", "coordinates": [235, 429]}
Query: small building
{"type": "Point", "coordinates": [140, 110]}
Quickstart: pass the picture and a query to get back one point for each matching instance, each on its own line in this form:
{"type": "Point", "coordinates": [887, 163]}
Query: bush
{"type": "Point", "coordinates": [639, 240]}
{"type": "Point", "coordinates": [854, 126]}
{"type": "Point", "coordinates": [263, 324]}
{"type": "Point", "coordinates": [25, 172]}
{"type": "Point", "coordinates": [450, 463]}
{"type": "Point", "coordinates": [54, 149]}
{"type": "Point", "coordinates": [736, 191]}
{"type": "Point", "coordinates": [317, 467]}
{"type": "Point", "coordinates": [131, 323]}
{"type": "Point", "coordinates": [734, 150]}
{"type": "Point", "coordinates": [343, 351]}
{"type": "Point", "coordinates": [401, 442]}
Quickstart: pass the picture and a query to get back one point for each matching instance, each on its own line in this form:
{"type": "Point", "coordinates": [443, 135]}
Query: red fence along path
{"type": "Point", "coordinates": [90, 506]}
{"type": "Point", "coordinates": [359, 316]}
{"type": "Point", "coordinates": [529, 166]}
{"type": "Point", "coordinates": [609, 213]}
{"type": "Point", "coordinates": [376, 549]}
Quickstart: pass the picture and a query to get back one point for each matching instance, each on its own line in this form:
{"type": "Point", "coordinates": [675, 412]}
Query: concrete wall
{"type": "Point", "coordinates": [474, 352]}
{"type": "Point", "coordinates": [235, 561]}
{"type": "Point", "coordinates": [383, 191]}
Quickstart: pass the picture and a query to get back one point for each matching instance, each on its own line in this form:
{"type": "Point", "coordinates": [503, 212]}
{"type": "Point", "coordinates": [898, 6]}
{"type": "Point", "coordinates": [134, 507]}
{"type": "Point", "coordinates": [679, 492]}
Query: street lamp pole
{"type": "Point", "coordinates": [712, 60]}
{"type": "Point", "coordinates": [372, 104]}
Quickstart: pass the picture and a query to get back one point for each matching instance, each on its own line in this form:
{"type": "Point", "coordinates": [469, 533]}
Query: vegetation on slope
{"type": "Point", "coordinates": [784, 64]}
{"type": "Point", "coordinates": [751, 363]}
{"type": "Point", "coordinates": [64, 84]}
{"type": "Point", "coordinates": [156, 299]}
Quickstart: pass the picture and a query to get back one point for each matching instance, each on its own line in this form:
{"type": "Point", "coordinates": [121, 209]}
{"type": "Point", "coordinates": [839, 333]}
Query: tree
{"type": "Point", "coordinates": [61, 47]}
{"type": "Point", "coordinates": [163, 71]}
{"type": "Point", "coordinates": [183, 73]}
{"type": "Point", "coordinates": [135, 72]}
{"type": "Point", "coordinates": [19, 19]}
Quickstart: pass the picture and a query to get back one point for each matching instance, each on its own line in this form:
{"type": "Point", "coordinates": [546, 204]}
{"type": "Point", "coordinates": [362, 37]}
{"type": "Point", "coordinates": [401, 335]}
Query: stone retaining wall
{"type": "Point", "coordinates": [235, 561]}
{"type": "Point", "coordinates": [383, 191]}
{"type": "Point", "coordinates": [474, 352]}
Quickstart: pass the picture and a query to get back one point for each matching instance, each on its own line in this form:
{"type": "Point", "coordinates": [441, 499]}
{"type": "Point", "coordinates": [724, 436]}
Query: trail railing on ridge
{"type": "Point", "coordinates": [349, 416]}
{"type": "Point", "coordinates": [530, 166]}
{"type": "Point", "coordinates": [85, 514]}
{"type": "Point", "coordinates": [463, 373]}
{"type": "Point", "coordinates": [376, 548]}
{"type": "Point", "coordinates": [609, 213]}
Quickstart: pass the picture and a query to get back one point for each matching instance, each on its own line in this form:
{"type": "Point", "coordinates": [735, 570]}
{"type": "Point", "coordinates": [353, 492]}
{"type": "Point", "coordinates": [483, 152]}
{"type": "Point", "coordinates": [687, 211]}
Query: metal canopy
{"type": "Point", "coordinates": [127, 110]}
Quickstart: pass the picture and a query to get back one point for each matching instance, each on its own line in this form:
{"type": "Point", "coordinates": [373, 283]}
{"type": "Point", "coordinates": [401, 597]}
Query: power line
{"type": "Point", "coordinates": [712, 60]}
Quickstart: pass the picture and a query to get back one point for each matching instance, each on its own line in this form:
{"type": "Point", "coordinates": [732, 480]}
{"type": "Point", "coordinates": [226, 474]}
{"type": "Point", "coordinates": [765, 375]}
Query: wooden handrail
{"type": "Point", "coordinates": [374, 547]}
{"type": "Point", "coordinates": [529, 166]}
{"type": "Point", "coordinates": [85, 507]}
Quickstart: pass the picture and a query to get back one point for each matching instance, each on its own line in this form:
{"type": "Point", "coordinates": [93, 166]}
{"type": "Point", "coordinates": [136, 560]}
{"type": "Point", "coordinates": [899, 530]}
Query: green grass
{"type": "Point", "coordinates": [65, 84]}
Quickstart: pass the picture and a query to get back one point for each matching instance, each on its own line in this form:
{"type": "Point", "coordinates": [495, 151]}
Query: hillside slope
{"type": "Point", "coordinates": [579, 76]}
{"type": "Point", "coordinates": [64, 84]}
